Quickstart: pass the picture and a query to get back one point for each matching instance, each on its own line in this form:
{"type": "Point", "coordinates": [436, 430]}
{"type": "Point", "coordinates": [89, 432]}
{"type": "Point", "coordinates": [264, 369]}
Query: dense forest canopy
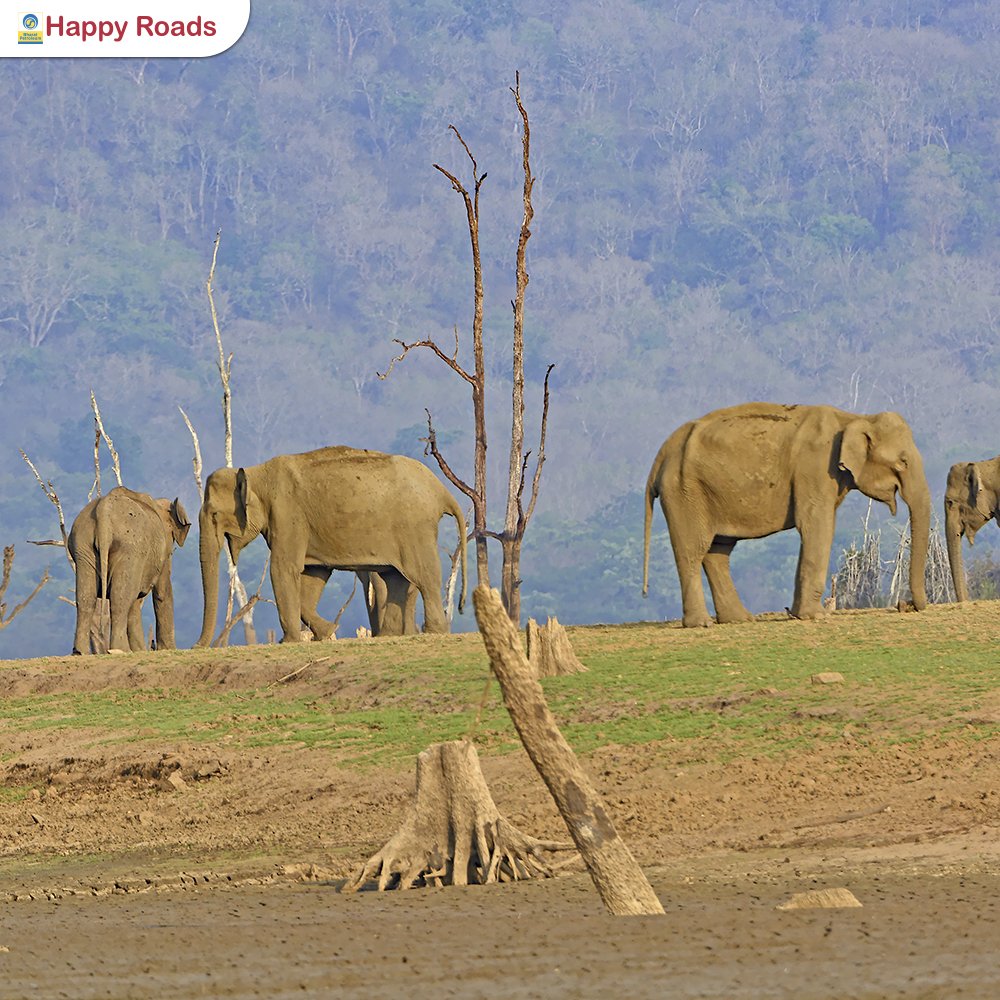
{"type": "Point", "coordinates": [793, 200]}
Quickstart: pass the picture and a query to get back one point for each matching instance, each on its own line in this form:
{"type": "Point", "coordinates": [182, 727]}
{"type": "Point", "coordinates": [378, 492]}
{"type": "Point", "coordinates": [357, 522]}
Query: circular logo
{"type": "Point", "coordinates": [30, 21]}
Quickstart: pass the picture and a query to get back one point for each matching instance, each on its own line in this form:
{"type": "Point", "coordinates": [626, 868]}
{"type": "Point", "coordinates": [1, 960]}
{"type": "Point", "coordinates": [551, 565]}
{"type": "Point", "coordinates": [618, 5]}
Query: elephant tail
{"type": "Point", "coordinates": [456, 512]}
{"type": "Point", "coordinates": [652, 492]}
{"type": "Point", "coordinates": [103, 536]}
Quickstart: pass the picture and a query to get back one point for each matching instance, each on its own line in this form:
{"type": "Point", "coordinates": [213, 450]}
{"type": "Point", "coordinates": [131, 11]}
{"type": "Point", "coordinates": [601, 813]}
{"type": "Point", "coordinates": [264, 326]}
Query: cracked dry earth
{"type": "Point", "coordinates": [138, 869]}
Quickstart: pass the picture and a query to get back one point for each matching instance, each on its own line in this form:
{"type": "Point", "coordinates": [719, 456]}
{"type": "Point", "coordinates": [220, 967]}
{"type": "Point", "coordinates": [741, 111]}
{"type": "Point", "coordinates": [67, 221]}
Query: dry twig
{"type": "Point", "coordinates": [8, 563]}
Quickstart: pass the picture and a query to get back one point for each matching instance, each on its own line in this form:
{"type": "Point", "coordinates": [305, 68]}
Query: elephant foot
{"type": "Point", "coordinates": [807, 614]}
{"type": "Point", "coordinates": [734, 618]}
{"type": "Point", "coordinates": [697, 621]}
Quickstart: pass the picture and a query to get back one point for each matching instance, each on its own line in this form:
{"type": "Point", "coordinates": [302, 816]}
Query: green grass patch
{"type": "Point", "coordinates": [727, 690]}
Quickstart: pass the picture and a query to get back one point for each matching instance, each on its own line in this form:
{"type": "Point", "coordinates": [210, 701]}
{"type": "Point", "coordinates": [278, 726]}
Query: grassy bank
{"type": "Point", "coordinates": [735, 690]}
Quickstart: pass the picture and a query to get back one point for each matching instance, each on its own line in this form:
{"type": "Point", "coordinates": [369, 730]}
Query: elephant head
{"type": "Point", "coordinates": [230, 512]}
{"type": "Point", "coordinates": [882, 459]}
{"type": "Point", "coordinates": [969, 502]}
{"type": "Point", "coordinates": [174, 518]}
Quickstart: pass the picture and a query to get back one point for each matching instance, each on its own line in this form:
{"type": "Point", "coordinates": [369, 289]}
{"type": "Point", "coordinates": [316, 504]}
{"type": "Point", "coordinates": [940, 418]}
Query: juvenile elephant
{"type": "Point", "coordinates": [971, 498]}
{"type": "Point", "coordinates": [122, 544]}
{"type": "Point", "coordinates": [752, 470]}
{"type": "Point", "coordinates": [334, 508]}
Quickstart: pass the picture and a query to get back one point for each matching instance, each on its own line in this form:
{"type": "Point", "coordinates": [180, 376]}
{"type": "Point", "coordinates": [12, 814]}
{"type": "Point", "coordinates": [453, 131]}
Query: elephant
{"type": "Point", "coordinates": [333, 508]}
{"type": "Point", "coordinates": [971, 498]}
{"type": "Point", "coordinates": [752, 470]}
{"type": "Point", "coordinates": [122, 545]}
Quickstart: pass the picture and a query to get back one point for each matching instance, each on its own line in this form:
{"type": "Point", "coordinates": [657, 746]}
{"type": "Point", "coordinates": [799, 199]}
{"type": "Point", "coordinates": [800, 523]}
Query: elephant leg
{"type": "Point", "coordinates": [121, 608]}
{"type": "Point", "coordinates": [286, 581]}
{"type": "Point", "coordinates": [423, 569]}
{"type": "Point", "coordinates": [728, 606]}
{"type": "Point", "coordinates": [311, 585]}
{"type": "Point", "coordinates": [136, 640]}
{"type": "Point", "coordinates": [814, 564]}
{"type": "Point", "coordinates": [163, 610]}
{"type": "Point", "coordinates": [398, 613]}
{"type": "Point", "coordinates": [690, 549]}
{"type": "Point", "coordinates": [86, 605]}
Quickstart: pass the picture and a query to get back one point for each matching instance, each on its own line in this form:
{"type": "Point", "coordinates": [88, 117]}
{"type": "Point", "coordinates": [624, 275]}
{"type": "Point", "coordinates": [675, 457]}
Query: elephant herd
{"type": "Point", "coordinates": [742, 472]}
{"type": "Point", "coordinates": [334, 508]}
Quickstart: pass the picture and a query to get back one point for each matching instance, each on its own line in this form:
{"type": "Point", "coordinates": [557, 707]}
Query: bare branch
{"type": "Point", "coordinates": [343, 607]}
{"type": "Point", "coordinates": [196, 461]}
{"type": "Point", "coordinates": [53, 497]}
{"type": "Point", "coordinates": [245, 609]}
{"type": "Point", "coordinates": [102, 433]}
{"type": "Point", "coordinates": [8, 563]}
{"type": "Point", "coordinates": [224, 365]}
{"type": "Point", "coordinates": [451, 362]}
{"type": "Point", "coordinates": [536, 480]}
{"type": "Point", "coordinates": [432, 448]}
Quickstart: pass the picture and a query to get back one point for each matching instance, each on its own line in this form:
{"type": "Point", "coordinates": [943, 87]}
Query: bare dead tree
{"type": "Point", "coordinates": [237, 592]}
{"type": "Point", "coordinates": [8, 564]}
{"type": "Point", "coordinates": [476, 379]}
{"type": "Point", "coordinates": [517, 515]}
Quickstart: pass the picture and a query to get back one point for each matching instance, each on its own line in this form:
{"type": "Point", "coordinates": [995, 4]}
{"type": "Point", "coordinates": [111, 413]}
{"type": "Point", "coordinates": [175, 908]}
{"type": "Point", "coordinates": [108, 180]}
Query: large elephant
{"type": "Point", "coordinates": [122, 545]}
{"type": "Point", "coordinates": [752, 470]}
{"type": "Point", "coordinates": [971, 498]}
{"type": "Point", "coordinates": [334, 508]}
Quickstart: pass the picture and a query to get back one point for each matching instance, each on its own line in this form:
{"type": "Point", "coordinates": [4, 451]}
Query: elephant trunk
{"type": "Point", "coordinates": [953, 537]}
{"type": "Point", "coordinates": [917, 496]}
{"type": "Point", "coordinates": [209, 550]}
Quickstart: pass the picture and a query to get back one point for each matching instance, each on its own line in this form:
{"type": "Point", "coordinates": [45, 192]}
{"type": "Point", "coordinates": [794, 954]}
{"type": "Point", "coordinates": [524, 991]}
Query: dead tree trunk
{"type": "Point", "coordinates": [237, 591]}
{"type": "Point", "coordinates": [549, 651]}
{"type": "Point", "coordinates": [517, 516]}
{"type": "Point", "coordinates": [619, 880]}
{"type": "Point", "coordinates": [454, 833]}
{"type": "Point", "coordinates": [516, 520]}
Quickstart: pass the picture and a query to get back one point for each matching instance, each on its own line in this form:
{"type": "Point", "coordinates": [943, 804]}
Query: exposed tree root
{"type": "Point", "coordinates": [454, 833]}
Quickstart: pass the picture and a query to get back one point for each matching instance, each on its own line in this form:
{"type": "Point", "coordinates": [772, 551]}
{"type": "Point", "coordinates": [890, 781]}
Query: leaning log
{"type": "Point", "coordinates": [619, 880]}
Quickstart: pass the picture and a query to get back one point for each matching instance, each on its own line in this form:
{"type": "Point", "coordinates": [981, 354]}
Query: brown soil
{"type": "Point", "coordinates": [184, 870]}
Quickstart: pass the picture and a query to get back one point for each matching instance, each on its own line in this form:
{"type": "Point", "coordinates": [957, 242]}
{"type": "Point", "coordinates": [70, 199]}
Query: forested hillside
{"type": "Point", "coordinates": [793, 200]}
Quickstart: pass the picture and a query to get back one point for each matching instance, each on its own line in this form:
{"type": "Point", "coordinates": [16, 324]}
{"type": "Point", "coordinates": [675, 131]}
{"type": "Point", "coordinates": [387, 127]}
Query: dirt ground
{"type": "Point", "coordinates": [189, 869]}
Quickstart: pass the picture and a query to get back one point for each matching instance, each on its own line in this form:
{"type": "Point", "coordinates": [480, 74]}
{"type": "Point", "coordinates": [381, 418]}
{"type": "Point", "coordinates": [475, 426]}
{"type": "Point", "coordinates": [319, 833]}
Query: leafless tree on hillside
{"type": "Point", "coordinates": [517, 513]}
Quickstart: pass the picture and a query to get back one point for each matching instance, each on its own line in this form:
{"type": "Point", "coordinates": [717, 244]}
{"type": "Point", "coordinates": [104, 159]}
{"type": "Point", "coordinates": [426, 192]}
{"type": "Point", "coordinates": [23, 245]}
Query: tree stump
{"type": "Point", "coordinates": [549, 651]}
{"type": "Point", "coordinates": [454, 834]}
{"type": "Point", "coordinates": [619, 880]}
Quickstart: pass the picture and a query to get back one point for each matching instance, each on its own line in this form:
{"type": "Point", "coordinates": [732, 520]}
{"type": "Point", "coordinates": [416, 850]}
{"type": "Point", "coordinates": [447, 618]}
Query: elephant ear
{"type": "Point", "coordinates": [854, 447]}
{"type": "Point", "coordinates": [242, 499]}
{"type": "Point", "coordinates": [181, 522]}
{"type": "Point", "coordinates": [973, 484]}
